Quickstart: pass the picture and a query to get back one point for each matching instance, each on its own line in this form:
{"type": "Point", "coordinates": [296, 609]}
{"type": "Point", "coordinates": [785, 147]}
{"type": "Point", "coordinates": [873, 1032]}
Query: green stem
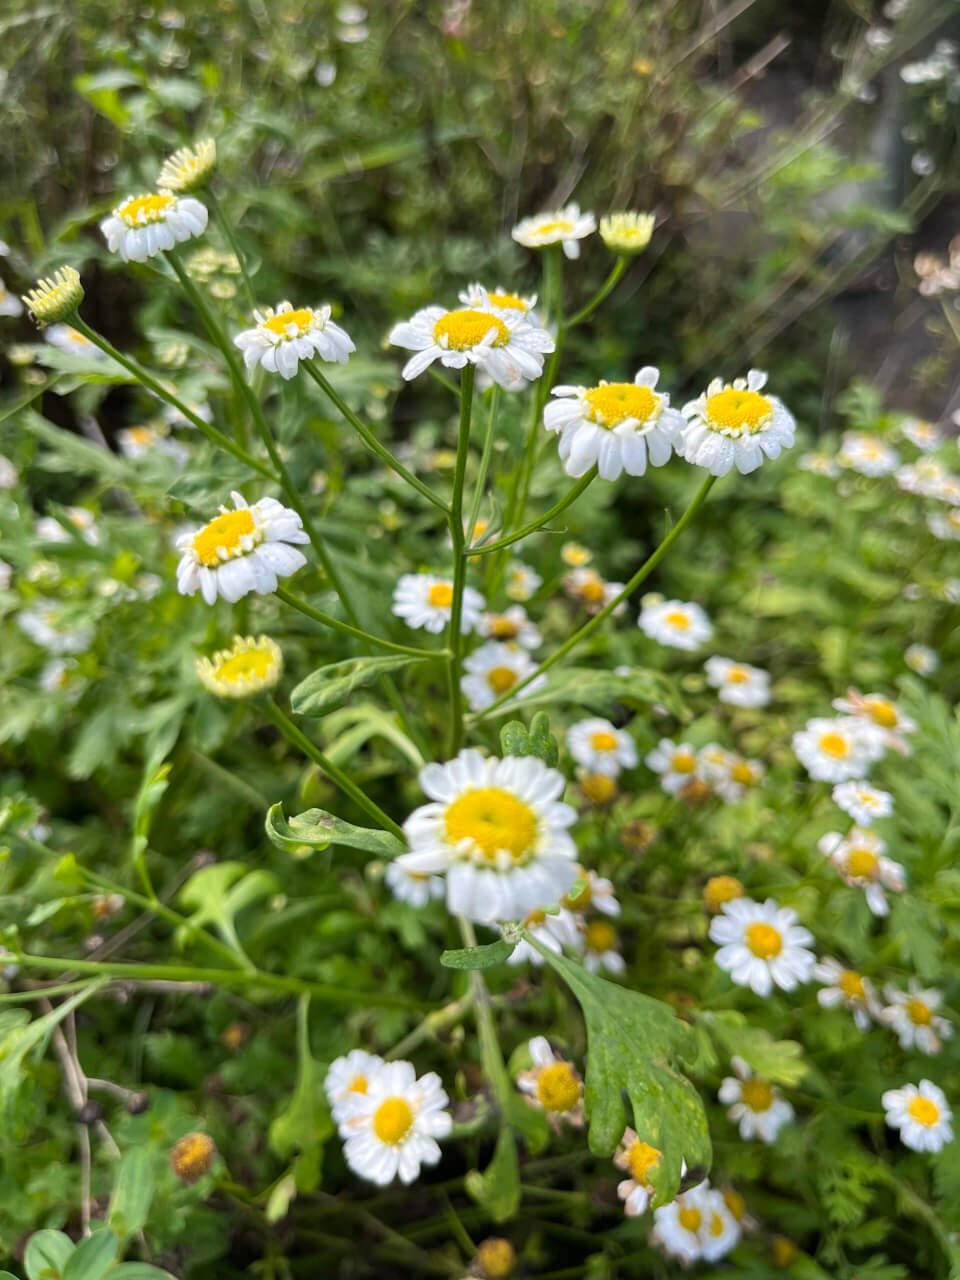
{"type": "Point", "coordinates": [370, 440]}
{"type": "Point", "coordinates": [588, 628]}
{"type": "Point", "coordinates": [570, 497]}
{"type": "Point", "coordinates": [360, 798]}
{"type": "Point", "coordinates": [606, 288]}
{"type": "Point", "coordinates": [157, 389]}
{"type": "Point", "coordinates": [224, 224]}
{"type": "Point", "coordinates": [484, 467]}
{"type": "Point", "coordinates": [490, 1052]}
{"type": "Point", "coordinates": [327, 620]}
{"type": "Point", "coordinates": [431, 1026]}
{"type": "Point", "coordinates": [455, 641]}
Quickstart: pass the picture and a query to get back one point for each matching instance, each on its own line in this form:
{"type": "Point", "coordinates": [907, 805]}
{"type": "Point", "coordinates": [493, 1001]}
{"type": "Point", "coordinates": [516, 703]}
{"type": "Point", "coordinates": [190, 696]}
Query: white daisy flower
{"type": "Point", "coordinates": [557, 931]}
{"type": "Point", "coordinates": [848, 989]}
{"type": "Point", "coordinates": [921, 1114]}
{"type": "Point", "coordinates": [61, 676]}
{"type": "Point", "coordinates": [617, 426]}
{"type": "Point", "coordinates": [391, 1130]}
{"type": "Point", "coordinates": [762, 946]}
{"type": "Point", "coordinates": [876, 710]}
{"type": "Point", "coordinates": [721, 1231]}
{"type": "Point", "coordinates": [945, 527]}
{"type": "Point", "coordinates": [821, 464]}
{"type": "Point", "coordinates": [913, 1016]}
{"type": "Point", "coordinates": [859, 858]}
{"type": "Point", "coordinates": [252, 664]}
{"type": "Point", "coordinates": [499, 833]}
{"type": "Point", "coordinates": [732, 776]}
{"type": "Point", "coordinates": [863, 802]}
{"type": "Point", "coordinates": [65, 338]}
{"type": "Point", "coordinates": [493, 670]}
{"type": "Point", "coordinates": [510, 627]}
{"type": "Point", "coordinates": [697, 1224]}
{"type": "Point", "coordinates": [505, 344]}
{"type": "Point", "coordinates": [553, 1085]}
{"type": "Point", "coordinates": [835, 750]}
{"type": "Point", "coordinates": [424, 600]}
{"type": "Point", "coordinates": [413, 887]}
{"type": "Point", "coordinates": [522, 582]}
{"type": "Point", "coordinates": [575, 555]}
{"type": "Point", "coordinates": [50, 529]}
{"type": "Point", "coordinates": [567, 227]}
{"type": "Point", "coordinates": [348, 1077]}
{"type": "Point", "coordinates": [600, 747]}
{"type": "Point", "coordinates": [924, 435]}
{"type": "Point", "coordinates": [43, 624]}
{"type": "Point", "coordinates": [921, 659]}
{"type": "Point", "coordinates": [10, 304]}
{"type": "Point", "coordinates": [675, 623]}
{"type": "Point", "coordinates": [592, 890]}
{"type": "Point", "coordinates": [929, 478]}
{"type": "Point", "coordinates": [138, 442]}
{"type": "Point", "coordinates": [738, 683]}
{"type": "Point", "coordinates": [638, 1159]}
{"type": "Point", "coordinates": [755, 1105]}
{"type": "Point", "coordinates": [732, 424]}
{"type": "Point", "coordinates": [677, 764]}
{"type": "Point", "coordinates": [587, 587]}
{"type": "Point", "coordinates": [249, 548]}
{"type": "Point", "coordinates": [602, 948]}
{"type": "Point", "coordinates": [500, 299]}
{"type": "Point", "coordinates": [284, 336]}
{"type": "Point", "coordinates": [145, 225]}
{"type": "Point", "coordinates": [867, 454]}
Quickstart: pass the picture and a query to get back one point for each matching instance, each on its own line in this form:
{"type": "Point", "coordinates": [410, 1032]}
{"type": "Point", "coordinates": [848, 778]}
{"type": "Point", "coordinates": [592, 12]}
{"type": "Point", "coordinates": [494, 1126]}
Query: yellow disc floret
{"type": "Point", "coordinates": [764, 940]}
{"type": "Point", "coordinates": [734, 412]}
{"type": "Point", "coordinates": [604, 741]}
{"type": "Point", "coordinates": [493, 821]}
{"type": "Point", "coordinates": [230, 534]}
{"type": "Point", "coordinates": [614, 402]}
{"type": "Point", "coordinates": [251, 665]}
{"type": "Point", "coordinates": [189, 167]}
{"type": "Point", "coordinates": [462, 330]}
{"type": "Point", "coordinates": [925, 1111]}
{"type": "Point", "coordinates": [851, 984]}
{"type": "Point", "coordinates": [192, 1157]}
{"type": "Point", "coordinates": [280, 324]}
{"type": "Point", "coordinates": [862, 864]}
{"type": "Point", "coordinates": [558, 1087]}
{"type": "Point", "coordinates": [500, 679]}
{"type": "Point", "coordinates": [919, 1012]}
{"type": "Point", "coordinates": [393, 1120]}
{"type": "Point", "coordinates": [757, 1095]}
{"type": "Point", "coordinates": [440, 595]}
{"type": "Point", "coordinates": [834, 744]}
{"type": "Point", "coordinates": [601, 936]}
{"type": "Point", "coordinates": [641, 1159]}
{"type": "Point", "coordinates": [508, 301]}
{"type": "Point", "coordinates": [139, 211]}
{"type": "Point", "coordinates": [690, 1218]}
{"type": "Point", "coordinates": [721, 889]}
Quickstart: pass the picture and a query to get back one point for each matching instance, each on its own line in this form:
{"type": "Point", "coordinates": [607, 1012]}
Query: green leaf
{"type": "Point", "coordinates": [93, 1257]}
{"type": "Point", "coordinates": [19, 1036]}
{"type": "Point", "coordinates": [517, 740]}
{"type": "Point", "coordinates": [318, 830]}
{"type": "Point", "coordinates": [916, 927]}
{"type": "Point", "coordinates": [304, 1125]}
{"type": "Point", "coordinates": [634, 1044]}
{"type": "Point", "coordinates": [46, 1255]}
{"type": "Point", "coordinates": [330, 686]}
{"type": "Point", "coordinates": [497, 1189]}
{"type": "Point", "coordinates": [132, 1193]}
{"type": "Point", "coordinates": [484, 957]}
{"type": "Point", "coordinates": [219, 893]}
{"type": "Point", "coordinates": [598, 690]}
{"type": "Point", "coordinates": [779, 1061]}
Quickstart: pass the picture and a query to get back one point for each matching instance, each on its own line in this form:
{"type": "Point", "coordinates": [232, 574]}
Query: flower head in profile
{"type": "Point", "coordinates": [349, 1075]}
{"type": "Point", "coordinates": [676, 763]}
{"type": "Point", "coordinates": [493, 670]}
{"type": "Point", "coordinates": [734, 424]}
{"type": "Point", "coordinates": [847, 989]}
{"type": "Point", "coordinates": [866, 454]}
{"type": "Point", "coordinates": [142, 226]}
{"type": "Point", "coordinates": [859, 858]}
{"type": "Point", "coordinates": [425, 601]}
{"type": "Point", "coordinates": [913, 1016]}
{"type": "Point", "coordinates": [284, 336]}
{"type": "Point", "coordinates": [56, 298]}
{"type": "Point", "coordinates": [553, 1085]}
{"type": "Point", "coordinates": [862, 802]}
{"type": "Point", "coordinates": [391, 1130]}
{"type": "Point", "coordinates": [737, 683]}
{"type": "Point", "coordinates": [500, 299]}
{"type": "Point", "coordinates": [627, 233]}
{"type": "Point", "coordinates": [188, 168]}
{"type": "Point", "coordinates": [505, 344]}
{"type": "Point", "coordinates": [675, 623]}
{"type": "Point", "coordinates": [244, 549]}
{"type": "Point", "coordinates": [252, 664]}
{"type": "Point", "coordinates": [566, 227]}
{"type": "Point", "coordinates": [835, 750]}
{"type": "Point", "coordinates": [762, 946]}
{"type": "Point", "coordinates": [600, 747]}
{"type": "Point", "coordinates": [637, 1159]}
{"type": "Point", "coordinates": [512, 627]}
{"type": "Point", "coordinates": [499, 833]}
{"type": "Point", "coordinates": [921, 1114]}
{"type": "Point", "coordinates": [616, 426]}
{"type": "Point", "coordinates": [755, 1105]}
{"type": "Point", "coordinates": [719, 890]}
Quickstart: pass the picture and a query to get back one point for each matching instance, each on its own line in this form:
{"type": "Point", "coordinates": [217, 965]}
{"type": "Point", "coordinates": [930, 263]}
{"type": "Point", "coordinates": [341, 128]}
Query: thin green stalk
{"type": "Point", "coordinates": [223, 223]}
{"type": "Point", "coordinates": [588, 628]}
{"type": "Point", "coordinates": [327, 620]}
{"type": "Point", "coordinates": [605, 289]}
{"type": "Point", "coordinates": [431, 1026]}
{"type": "Point", "coordinates": [490, 1052]}
{"type": "Point", "coordinates": [484, 467]}
{"type": "Point", "coordinates": [567, 500]}
{"type": "Point", "coordinates": [157, 389]}
{"type": "Point", "coordinates": [370, 440]}
{"type": "Point", "coordinates": [336, 775]}
{"type": "Point", "coordinates": [455, 641]}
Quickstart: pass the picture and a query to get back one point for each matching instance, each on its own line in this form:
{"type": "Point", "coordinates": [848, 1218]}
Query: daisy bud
{"type": "Point", "coordinates": [496, 1258]}
{"type": "Point", "coordinates": [252, 664]}
{"type": "Point", "coordinates": [189, 167]}
{"type": "Point", "coordinates": [598, 788]}
{"type": "Point", "coordinates": [721, 889]}
{"type": "Point", "coordinates": [627, 232]}
{"type": "Point", "coordinates": [192, 1157]}
{"type": "Point", "coordinates": [56, 298]}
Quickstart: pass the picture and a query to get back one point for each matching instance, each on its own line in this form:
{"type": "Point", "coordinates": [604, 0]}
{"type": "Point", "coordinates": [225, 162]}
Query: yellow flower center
{"type": "Point", "coordinates": [919, 1013]}
{"type": "Point", "coordinates": [834, 744]}
{"type": "Point", "coordinates": [461, 330]}
{"type": "Point", "coordinates": [581, 895]}
{"type": "Point", "coordinates": [737, 675]}
{"type": "Point", "coordinates": [735, 1203]}
{"type": "Point", "coordinates": [144, 209]}
{"type": "Point", "coordinates": [393, 1120]}
{"type": "Point", "coordinates": [440, 595]}
{"type": "Point", "coordinates": [924, 1111]}
{"type": "Point", "coordinates": [535, 918]}
{"type": "Point", "coordinates": [861, 862]}
{"type": "Point", "coordinates": [677, 619]}
{"type": "Point", "coordinates": [301, 319]}
{"type": "Point", "coordinates": [509, 301]}
{"type": "Point", "coordinates": [598, 788]}
{"type": "Point", "coordinates": [764, 940]}
{"type": "Point", "coordinates": [591, 589]}
{"type": "Point", "coordinates": [736, 411]}
{"type": "Point", "coordinates": [641, 1158]}
{"type": "Point", "coordinates": [882, 713]}
{"type": "Point", "coordinates": [721, 889]}
{"type": "Point", "coordinates": [140, 435]}
{"type": "Point", "coordinates": [683, 762]}
{"type": "Point", "coordinates": [604, 741]}
{"type": "Point", "coordinates": [239, 668]}
{"type": "Point", "coordinates": [851, 984]}
{"type": "Point", "coordinates": [601, 936]}
{"type": "Point", "coordinates": [743, 773]}
{"type": "Point", "coordinates": [615, 402]}
{"type": "Point", "coordinates": [223, 537]}
{"type": "Point", "coordinates": [358, 1085]}
{"type": "Point", "coordinates": [80, 339]}
{"type": "Point", "coordinates": [555, 227]}
{"type": "Point", "coordinates": [500, 679]}
{"type": "Point", "coordinates": [716, 1225]}
{"type": "Point", "coordinates": [494, 821]}
{"type": "Point", "coordinates": [558, 1087]}
{"type": "Point", "coordinates": [503, 628]}
{"type": "Point", "coordinates": [757, 1095]}
{"type": "Point", "coordinates": [690, 1219]}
